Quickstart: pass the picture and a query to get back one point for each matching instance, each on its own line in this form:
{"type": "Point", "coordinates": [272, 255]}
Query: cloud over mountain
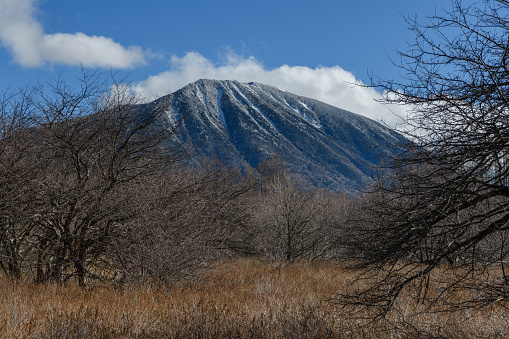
{"type": "Point", "coordinates": [30, 46]}
{"type": "Point", "coordinates": [332, 85]}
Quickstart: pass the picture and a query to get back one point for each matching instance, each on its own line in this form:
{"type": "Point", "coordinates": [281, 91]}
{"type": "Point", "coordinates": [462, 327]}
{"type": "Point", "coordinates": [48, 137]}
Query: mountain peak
{"type": "Point", "coordinates": [244, 123]}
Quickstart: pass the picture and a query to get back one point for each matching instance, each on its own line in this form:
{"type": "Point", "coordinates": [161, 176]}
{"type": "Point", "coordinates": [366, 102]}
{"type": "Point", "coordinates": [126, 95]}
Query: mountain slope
{"type": "Point", "coordinates": [245, 123]}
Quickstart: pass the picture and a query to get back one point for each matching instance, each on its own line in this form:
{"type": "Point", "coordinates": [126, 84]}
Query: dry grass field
{"type": "Point", "coordinates": [245, 298]}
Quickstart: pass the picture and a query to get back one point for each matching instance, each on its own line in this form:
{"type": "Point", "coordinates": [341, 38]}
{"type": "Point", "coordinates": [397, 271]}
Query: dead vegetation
{"type": "Point", "coordinates": [244, 298]}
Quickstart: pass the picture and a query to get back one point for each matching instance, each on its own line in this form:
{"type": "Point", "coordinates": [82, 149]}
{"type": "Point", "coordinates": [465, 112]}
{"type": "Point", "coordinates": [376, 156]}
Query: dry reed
{"type": "Point", "coordinates": [245, 298]}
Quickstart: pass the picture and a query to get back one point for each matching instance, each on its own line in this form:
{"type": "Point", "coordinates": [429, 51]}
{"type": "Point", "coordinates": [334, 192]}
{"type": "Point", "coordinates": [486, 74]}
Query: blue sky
{"type": "Point", "coordinates": [313, 48]}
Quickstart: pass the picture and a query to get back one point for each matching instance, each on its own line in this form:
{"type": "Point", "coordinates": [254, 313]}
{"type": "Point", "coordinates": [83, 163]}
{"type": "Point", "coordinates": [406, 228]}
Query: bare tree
{"type": "Point", "coordinates": [443, 200]}
{"type": "Point", "coordinates": [291, 218]}
{"type": "Point", "coordinates": [19, 163]}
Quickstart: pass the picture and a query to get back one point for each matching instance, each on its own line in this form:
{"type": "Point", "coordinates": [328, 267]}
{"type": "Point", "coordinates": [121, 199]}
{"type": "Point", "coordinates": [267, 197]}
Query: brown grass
{"type": "Point", "coordinates": [245, 298]}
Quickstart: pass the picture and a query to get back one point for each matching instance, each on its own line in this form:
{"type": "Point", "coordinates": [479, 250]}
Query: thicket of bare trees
{"type": "Point", "coordinates": [70, 158]}
{"type": "Point", "coordinates": [184, 220]}
{"type": "Point", "coordinates": [442, 202]}
{"type": "Point", "coordinates": [93, 186]}
{"type": "Point", "coordinates": [294, 221]}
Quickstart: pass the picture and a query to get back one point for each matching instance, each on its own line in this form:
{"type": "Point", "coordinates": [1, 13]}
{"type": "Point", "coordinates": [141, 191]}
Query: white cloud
{"type": "Point", "coordinates": [30, 46]}
{"type": "Point", "coordinates": [332, 85]}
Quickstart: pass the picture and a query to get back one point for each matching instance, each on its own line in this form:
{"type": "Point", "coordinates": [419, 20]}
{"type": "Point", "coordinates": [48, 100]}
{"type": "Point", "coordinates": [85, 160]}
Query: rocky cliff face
{"type": "Point", "coordinates": [243, 124]}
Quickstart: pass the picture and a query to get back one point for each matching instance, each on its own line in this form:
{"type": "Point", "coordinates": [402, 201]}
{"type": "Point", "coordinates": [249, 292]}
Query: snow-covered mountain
{"type": "Point", "coordinates": [243, 124]}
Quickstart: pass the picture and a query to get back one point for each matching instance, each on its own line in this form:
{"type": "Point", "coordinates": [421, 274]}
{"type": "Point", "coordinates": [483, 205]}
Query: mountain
{"type": "Point", "coordinates": [244, 123]}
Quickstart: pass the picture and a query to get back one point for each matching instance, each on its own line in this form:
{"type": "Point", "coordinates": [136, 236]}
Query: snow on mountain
{"type": "Point", "coordinates": [244, 123]}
